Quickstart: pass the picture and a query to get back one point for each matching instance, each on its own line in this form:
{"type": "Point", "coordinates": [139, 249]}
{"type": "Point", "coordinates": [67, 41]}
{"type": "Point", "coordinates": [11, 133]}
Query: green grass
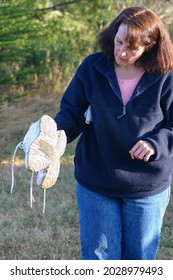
{"type": "Point", "coordinates": [27, 233]}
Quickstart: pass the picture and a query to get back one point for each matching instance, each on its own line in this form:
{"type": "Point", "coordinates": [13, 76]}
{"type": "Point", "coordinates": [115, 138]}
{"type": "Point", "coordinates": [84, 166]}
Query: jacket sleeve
{"type": "Point", "coordinates": [162, 138]}
{"type": "Point", "coordinates": [73, 105]}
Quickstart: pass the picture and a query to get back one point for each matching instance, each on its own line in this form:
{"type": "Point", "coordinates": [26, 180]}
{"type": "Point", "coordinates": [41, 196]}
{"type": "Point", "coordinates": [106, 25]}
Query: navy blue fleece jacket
{"type": "Point", "coordinates": [102, 159]}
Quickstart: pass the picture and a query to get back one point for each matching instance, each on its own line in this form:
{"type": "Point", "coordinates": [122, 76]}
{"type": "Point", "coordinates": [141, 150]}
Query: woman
{"type": "Point", "coordinates": [124, 157]}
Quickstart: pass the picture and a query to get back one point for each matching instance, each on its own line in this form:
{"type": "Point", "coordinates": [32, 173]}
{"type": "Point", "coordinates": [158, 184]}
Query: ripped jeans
{"type": "Point", "coordinates": [120, 229]}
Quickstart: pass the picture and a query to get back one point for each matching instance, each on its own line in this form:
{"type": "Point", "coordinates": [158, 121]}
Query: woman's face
{"type": "Point", "coordinates": [123, 53]}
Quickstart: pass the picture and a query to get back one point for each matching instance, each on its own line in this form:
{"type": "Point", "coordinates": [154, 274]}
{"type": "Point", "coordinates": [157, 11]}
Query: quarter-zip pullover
{"type": "Point", "coordinates": [102, 159]}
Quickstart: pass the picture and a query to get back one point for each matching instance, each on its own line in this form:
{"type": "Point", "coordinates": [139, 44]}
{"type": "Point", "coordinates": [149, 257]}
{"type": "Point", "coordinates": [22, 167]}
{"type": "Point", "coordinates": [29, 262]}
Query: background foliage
{"type": "Point", "coordinates": [43, 41]}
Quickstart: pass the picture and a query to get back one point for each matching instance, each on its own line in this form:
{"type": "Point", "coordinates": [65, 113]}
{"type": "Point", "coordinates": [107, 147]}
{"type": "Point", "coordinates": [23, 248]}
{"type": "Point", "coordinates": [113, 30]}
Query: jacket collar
{"type": "Point", "coordinates": [105, 66]}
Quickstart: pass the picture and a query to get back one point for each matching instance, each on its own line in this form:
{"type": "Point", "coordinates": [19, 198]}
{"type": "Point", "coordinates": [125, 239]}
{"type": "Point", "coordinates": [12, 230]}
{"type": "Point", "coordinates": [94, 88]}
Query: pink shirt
{"type": "Point", "coordinates": [127, 88]}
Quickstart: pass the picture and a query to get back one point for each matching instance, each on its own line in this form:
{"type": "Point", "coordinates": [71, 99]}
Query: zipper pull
{"type": "Point", "coordinates": [123, 114]}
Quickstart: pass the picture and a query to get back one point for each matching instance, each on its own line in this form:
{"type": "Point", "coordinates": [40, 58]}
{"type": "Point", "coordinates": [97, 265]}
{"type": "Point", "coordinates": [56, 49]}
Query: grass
{"type": "Point", "coordinates": [27, 233]}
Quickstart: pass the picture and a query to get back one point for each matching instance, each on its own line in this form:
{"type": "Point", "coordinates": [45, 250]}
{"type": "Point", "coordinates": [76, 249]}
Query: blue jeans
{"type": "Point", "coordinates": [120, 228]}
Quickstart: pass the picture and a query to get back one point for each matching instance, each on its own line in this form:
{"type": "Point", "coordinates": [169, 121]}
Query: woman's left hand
{"type": "Point", "coordinates": [142, 150]}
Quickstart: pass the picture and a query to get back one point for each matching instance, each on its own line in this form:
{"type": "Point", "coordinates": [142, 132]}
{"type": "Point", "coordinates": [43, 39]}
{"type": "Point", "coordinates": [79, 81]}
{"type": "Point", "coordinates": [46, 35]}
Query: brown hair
{"type": "Point", "coordinates": [144, 28]}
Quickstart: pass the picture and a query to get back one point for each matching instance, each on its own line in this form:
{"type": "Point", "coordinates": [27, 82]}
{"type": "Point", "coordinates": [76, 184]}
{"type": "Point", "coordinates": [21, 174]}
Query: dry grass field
{"type": "Point", "coordinates": [27, 233]}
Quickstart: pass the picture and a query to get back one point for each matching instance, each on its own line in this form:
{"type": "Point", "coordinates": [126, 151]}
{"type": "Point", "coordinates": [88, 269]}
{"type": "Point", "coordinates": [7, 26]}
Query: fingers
{"type": "Point", "coordinates": [142, 150]}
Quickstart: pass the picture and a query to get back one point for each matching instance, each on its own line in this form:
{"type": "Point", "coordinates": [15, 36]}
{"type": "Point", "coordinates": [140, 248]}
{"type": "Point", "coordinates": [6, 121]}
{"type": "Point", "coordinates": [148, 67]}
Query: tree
{"type": "Point", "coordinates": [43, 41]}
